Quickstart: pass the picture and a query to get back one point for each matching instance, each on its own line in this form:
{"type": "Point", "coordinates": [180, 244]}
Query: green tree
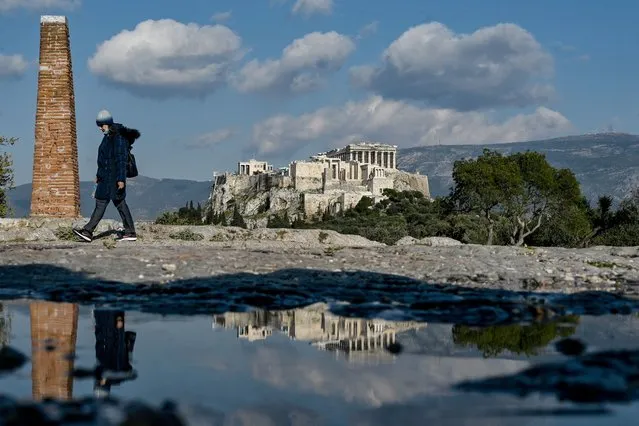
{"type": "Point", "coordinates": [237, 219]}
{"type": "Point", "coordinates": [483, 185]}
{"type": "Point", "coordinates": [6, 175]}
{"type": "Point", "coordinates": [618, 227]}
{"type": "Point", "coordinates": [522, 189]}
{"type": "Point", "coordinates": [279, 221]}
{"type": "Point", "coordinates": [187, 215]}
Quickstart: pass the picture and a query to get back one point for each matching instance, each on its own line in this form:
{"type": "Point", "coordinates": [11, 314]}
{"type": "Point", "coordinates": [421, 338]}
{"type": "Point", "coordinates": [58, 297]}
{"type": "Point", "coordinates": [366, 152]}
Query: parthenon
{"type": "Point", "coordinates": [377, 154]}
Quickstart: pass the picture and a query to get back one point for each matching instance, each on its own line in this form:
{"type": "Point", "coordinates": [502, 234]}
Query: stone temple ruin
{"type": "Point", "coordinates": [331, 181]}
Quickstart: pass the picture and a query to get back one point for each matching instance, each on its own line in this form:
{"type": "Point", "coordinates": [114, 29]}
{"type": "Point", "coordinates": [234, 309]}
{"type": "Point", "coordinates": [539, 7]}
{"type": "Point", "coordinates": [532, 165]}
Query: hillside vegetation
{"type": "Point", "coordinates": [499, 199]}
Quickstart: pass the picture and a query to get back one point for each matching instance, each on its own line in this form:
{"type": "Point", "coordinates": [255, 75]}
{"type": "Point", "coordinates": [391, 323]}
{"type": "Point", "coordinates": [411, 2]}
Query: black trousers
{"type": "Point", "coordinates": [100, 208]}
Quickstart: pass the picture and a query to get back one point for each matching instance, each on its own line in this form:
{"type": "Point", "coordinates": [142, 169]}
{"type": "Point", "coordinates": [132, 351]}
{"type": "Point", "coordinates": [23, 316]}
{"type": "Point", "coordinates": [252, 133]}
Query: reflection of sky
{"type": "Point", "coordinates": [183, 358]}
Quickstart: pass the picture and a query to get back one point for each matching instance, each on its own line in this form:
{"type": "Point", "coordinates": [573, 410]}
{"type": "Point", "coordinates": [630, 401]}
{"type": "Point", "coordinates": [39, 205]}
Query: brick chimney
{"type": "Point", "coordinates": [56, 182]}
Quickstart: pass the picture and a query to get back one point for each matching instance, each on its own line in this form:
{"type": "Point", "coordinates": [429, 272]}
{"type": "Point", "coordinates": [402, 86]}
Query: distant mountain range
{"type": "Point", "coordinates": [604, 163]}
{"type": "Point", "coordinates": [147, 197]}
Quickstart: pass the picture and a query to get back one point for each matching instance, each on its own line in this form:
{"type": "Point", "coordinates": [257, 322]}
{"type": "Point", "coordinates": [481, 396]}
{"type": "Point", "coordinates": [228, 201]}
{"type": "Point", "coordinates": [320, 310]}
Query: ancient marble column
{"type": "Point", "coordinates": [56, 182]}
{"type": "Point", "coordinates": [54, 325]}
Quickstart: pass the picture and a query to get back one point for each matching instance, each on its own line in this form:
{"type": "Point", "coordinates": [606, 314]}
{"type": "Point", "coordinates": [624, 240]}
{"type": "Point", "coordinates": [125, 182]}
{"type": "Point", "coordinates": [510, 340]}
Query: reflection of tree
{"type": "Point", "coordinates": [5, 326]}
{"type": "Point", "coordinates": [516, 338]}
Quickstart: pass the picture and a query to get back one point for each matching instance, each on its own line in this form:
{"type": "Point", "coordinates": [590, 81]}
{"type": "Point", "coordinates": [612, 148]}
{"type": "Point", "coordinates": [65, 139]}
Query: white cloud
{"type": "Point", "coordinates": [6, 5]}
{"type": "Point", "coordinates": [502, 65]}
{"type": "Point", "coordinates": [168, 58]}
{"type": "Point", "coordinates": [212, 138]}
{"type": "Point", "coordinates": [222, 16]}
{"type": "Point", "coordinates": [368, 30]}
{"type": "Point", "coordinates": [303, 66]}
{"type": "Point", "coordinates": [311, 7]}
{"type": "Point", "coordinates": [12, 66]}
{"type": "Point", "coordinates": [400, 123]}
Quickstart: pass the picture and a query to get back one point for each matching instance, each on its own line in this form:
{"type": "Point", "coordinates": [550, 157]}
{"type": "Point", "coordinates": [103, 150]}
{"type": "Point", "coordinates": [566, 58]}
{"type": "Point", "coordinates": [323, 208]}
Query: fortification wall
{"type": "Point", "coordinates": [404, 181]}
{"type": "Point", "coordinates": [315, 205]}
{"type": "Point", "coordinates": [377, 185]}
{"type": "Point", "coordinates": [344, 186]}
{"type": "Point", "coordinates": [307, 176]}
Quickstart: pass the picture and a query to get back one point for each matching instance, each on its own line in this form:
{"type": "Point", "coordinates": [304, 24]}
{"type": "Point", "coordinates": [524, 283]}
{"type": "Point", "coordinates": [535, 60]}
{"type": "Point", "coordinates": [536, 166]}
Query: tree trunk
{"type": "Point", "coordinates": [491, 230]}
{"type": "Point", "coordinates": [521, 229]}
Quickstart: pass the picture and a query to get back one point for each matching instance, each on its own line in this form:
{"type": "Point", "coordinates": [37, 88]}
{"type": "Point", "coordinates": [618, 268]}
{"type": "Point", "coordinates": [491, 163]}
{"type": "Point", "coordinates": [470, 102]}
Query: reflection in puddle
{"type": "Point", "coordinates": [355, 337]}
{"type": "Point", "coordinates": [271, 366]}
{"type": "Point", "coordinates": [515, 338]}
{"type": "Point", "coordinates": [113, 351]}
{"type": "Point", "coordinates": [54, 329]}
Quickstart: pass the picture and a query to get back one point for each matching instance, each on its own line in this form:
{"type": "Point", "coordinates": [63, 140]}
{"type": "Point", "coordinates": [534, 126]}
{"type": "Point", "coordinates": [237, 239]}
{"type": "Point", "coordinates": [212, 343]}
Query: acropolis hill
{"type": "Point", "coordinates": [331, 181]}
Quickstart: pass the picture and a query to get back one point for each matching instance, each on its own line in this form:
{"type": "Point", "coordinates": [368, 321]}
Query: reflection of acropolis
{"type": "Point", "coordinates": [318, 326]}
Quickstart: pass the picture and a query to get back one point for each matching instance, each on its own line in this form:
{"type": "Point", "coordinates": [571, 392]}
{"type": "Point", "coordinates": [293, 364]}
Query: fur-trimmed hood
{"type": "Point", "coordinates": [131, 135]}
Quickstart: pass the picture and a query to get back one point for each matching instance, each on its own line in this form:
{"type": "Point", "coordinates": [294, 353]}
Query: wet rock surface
{"type": "Point", "coordinates": [348, 293]}
{"type": "Point", "coordinates": [592, 378]}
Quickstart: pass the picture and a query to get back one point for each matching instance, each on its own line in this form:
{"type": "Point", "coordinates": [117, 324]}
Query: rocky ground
{"type": "Point", "coordinates": [169, 253]}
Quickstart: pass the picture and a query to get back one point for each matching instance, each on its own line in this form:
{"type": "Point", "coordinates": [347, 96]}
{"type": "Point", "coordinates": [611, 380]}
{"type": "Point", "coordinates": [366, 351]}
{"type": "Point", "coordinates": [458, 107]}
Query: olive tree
{"type": "Point", "coordinates": [6, 174]}
{"type": "Point", "coordinates": [522, 190]}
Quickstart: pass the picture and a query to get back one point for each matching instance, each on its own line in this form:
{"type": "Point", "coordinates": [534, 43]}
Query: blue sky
{"type": "Point", "coordinates": [209, 83]}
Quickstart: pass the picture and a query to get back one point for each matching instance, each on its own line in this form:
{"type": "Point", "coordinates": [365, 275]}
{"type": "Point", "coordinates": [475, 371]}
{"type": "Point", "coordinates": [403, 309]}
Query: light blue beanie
{"type": "Point", "coordinates": [104, 117]}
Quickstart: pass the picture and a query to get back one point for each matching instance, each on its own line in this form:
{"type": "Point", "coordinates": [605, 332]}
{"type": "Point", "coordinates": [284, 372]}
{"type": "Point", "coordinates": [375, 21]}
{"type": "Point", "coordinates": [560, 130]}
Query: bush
{"type": "Point", "coordinates": [186, 235]}
{"type": "Point", "coordinates": [187, 215]}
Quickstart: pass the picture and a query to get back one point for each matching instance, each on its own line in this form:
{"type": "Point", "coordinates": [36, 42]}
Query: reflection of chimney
{"type": "Point", "coordinates": [55, 324]}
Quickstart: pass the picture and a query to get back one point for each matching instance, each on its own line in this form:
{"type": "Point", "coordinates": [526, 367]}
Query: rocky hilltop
{"type": "Point", "coordinates": [262, 196]}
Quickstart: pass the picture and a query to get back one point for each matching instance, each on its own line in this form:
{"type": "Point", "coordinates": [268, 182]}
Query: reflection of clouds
{"type": "Point", "coordinates": [283, 415]}
{"type": "Point", "coordinates": [410, 377]}
{"type": "Point", "coordinates": [272, 416]}
{"type": "Point", "coordinates": [458, 410]}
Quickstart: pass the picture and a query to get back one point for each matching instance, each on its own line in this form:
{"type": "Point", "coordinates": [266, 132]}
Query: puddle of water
{"type": "Point", "coordinates": [303, 366]}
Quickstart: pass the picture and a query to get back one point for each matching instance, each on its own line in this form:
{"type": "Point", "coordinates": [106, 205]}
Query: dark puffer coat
{"type": "Point", "coordinates": [113, 155]}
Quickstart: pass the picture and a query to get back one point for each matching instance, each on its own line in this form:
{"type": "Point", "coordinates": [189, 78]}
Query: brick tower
{"type": "Point", "coordinates": [55, 324]}
{"type": "Point", "coordinates": [56, 181]}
